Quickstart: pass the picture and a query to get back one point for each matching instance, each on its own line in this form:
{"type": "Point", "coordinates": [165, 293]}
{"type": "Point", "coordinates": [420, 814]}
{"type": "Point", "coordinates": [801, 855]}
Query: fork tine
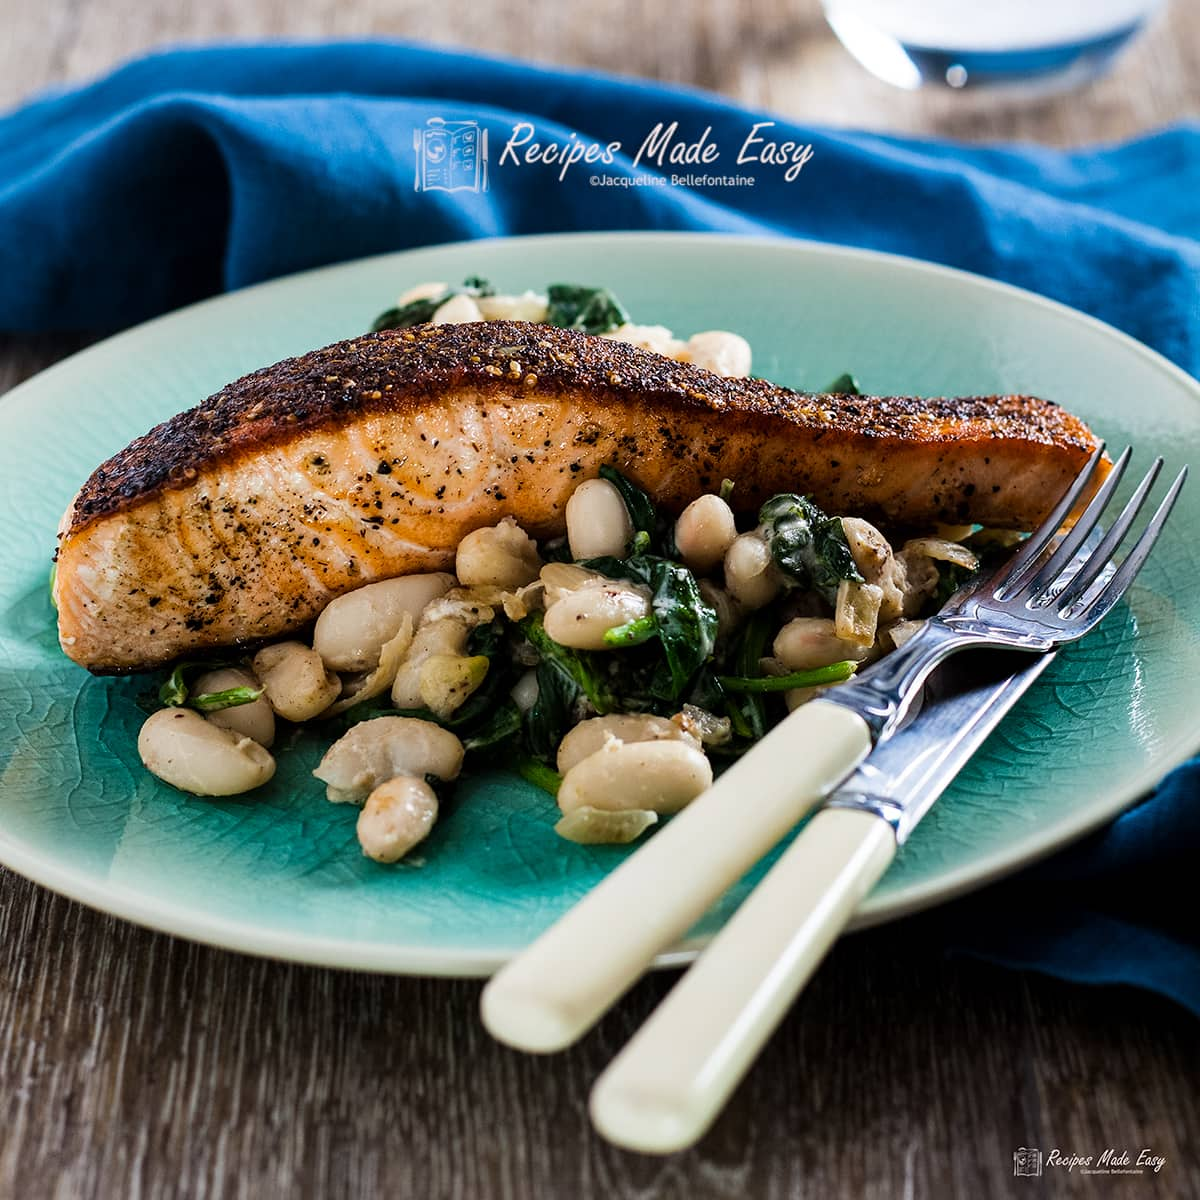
{"type": "Point", "coordinates": [1042, 536]}
{"type": "Point", "coordinates": [1065, 552]}
{"type": "Point", "coordinates": [1116, 587]}
{"type": "Point", "coordinates": [1091, 568]}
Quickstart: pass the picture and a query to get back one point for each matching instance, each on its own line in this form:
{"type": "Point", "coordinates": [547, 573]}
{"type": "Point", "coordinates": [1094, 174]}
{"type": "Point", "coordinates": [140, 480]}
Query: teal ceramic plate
{"type": "Point", "coordinates": [279, 873]}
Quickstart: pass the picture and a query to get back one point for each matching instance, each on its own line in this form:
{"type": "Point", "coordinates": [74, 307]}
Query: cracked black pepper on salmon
{"type": "Point", "coordinates": [240, 519]}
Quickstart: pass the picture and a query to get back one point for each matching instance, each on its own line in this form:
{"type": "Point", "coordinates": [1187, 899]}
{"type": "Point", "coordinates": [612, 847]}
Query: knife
{"type": "Point", "coordinates": [903, 777]}
{"type": "Point", "coordinates": [664, 1089]}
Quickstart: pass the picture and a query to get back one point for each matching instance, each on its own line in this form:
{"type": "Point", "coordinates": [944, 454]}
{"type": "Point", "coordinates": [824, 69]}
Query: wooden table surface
{"type": "Point", "coordinates": [134, 1065]}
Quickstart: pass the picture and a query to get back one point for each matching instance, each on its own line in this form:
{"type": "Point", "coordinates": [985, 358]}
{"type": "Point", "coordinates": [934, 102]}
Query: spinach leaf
{"type": "Point", "coordinates": [642, 513]}
{"type": "Point", "coordinates": [843, 385]}
{"type": "Point", "coordinates": [496, 732]}
{"type": "Point", "coordinates": [632, 633]}
{"type": "Point", "coordinates": [809, 547]}
{"type": "Point", "coordinates": [417, 312]}
{"type": "Point", "coordinates": [579, 667]}
{"type": "Point", "coordinates": [552, 713]}
{"type": "Point", "coordinates": [174, 690]}
{"type": "Point", "coordinates": [748, 712]}
{"type": "Point", "coordinates": [540, 775]}
{"type": "Point", "coordinates": [229, 698]}
{"type": "Point", "coordinates": [685, 626]}
{"type": "Point", "coordinates": [592, 309]}
{"type": "Point", "coordinates": [951, 577]}
{"type": "Point", "coordinates": [556, 550]}
{"type": "Point", "coordinates": [837, 672]}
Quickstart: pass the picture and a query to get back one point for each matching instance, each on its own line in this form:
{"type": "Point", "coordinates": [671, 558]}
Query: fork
{"type": "Point", "coordinates": [557, 988]}
{"type": "Point", "coordinates": [670, 1081]}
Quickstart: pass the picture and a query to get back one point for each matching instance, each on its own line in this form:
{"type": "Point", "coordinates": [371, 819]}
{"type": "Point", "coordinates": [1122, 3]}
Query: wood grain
{"type": "Point", "coordinates": [137, 1065]}
{"type": "Point", "coordinates": [134, 1065]}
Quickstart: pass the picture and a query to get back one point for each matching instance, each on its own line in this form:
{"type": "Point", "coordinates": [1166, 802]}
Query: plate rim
{"type": "Point", "coordinates": [401, 958]}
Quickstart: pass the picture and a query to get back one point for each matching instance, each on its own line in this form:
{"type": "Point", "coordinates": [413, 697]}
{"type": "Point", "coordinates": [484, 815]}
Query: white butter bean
{"type": "Point", "coordinates": [597, 521]}
{"type": "Point", "coordinates": [582, 617]}
{"type": "Point", "coordinates": [703, 532]}
{"type": "Point", "coordinates": [560, 579]}
{"type": "Point", "coordinates": [188, 752]}
{"type": "Point", "coordinates": [254, 720]}
{"type": "Point", "coordinates": [661, 776]}
{"type": "Point", "coordinates": [525, 691]}
{"type": "Point", "coordinates": [751, 576]}
{"type": "Point", "coordinates": [397, 815]}
{"type": "Point", "coordinates": [353, 629]}
{"type": "Point", "coordinates": [721, 352]}
{"type": "Point", "coordinates": [458, 310]}
{"type": "Point", "coordinates": [447, 636]}
{"type": "Point", "coordinates": [528, 306]}
{"type": "Point", "coordinates": [811, 642]}
{"type": "Point", "coordinates": [422, 291]}
{"type": "Point", "coordinates": [658, 339]}
{"type": "Point", "coordinates": [589, 736]}
{"type": "Point", "coordinates": [729, 612]}
{"type": "Point", "coordinates": [502, 556]}
{"type": "Point", "coordinates": [295, 680]}
{"type": "Point", "coordinates": [374, 751]}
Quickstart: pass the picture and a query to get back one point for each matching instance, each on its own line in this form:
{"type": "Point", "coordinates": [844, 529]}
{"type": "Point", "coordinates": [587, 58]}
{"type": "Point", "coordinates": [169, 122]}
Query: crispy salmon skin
{"type": "Point", "coordinates": [240, 519]}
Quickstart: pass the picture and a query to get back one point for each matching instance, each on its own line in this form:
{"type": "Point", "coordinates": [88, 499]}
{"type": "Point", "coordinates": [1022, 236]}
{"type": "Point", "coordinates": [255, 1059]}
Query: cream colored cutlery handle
{"type": "Point", "coordinates": [664, 1089]}
{"type": "Point", "coordinates": [556, 989]}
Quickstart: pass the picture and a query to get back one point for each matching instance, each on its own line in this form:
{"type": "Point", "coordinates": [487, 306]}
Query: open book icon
{"type": "Point", "coordinates": [451, 156]}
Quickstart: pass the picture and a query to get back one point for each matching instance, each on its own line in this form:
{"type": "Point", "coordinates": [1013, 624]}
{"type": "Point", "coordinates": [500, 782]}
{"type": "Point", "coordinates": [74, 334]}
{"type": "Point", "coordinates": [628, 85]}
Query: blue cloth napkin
{"type": "Point", "coordinates": [194, 171]}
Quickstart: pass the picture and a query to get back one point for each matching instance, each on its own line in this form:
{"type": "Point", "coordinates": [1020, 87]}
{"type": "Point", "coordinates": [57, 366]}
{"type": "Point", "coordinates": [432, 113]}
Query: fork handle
{"type": "Point", "coordinates": [556, 989]}
{"type": "Point", "coordinates": [668, 1084]}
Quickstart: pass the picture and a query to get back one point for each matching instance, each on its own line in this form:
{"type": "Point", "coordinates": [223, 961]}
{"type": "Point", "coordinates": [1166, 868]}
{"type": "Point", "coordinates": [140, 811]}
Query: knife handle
{"type": "Point", "coordinates": [665, 1088]}
{"type": "Point", "coordinates": [556, 989]}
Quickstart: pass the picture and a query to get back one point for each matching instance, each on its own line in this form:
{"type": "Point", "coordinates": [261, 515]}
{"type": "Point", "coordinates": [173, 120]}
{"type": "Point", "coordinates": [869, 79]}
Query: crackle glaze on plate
{"type": "Point", "coordinates": [279, 872]}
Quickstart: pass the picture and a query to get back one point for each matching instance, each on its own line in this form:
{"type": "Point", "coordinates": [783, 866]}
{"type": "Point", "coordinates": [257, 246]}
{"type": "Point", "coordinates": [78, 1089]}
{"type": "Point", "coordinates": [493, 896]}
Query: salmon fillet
{"type": "Point", "coordinates": [240, 519]}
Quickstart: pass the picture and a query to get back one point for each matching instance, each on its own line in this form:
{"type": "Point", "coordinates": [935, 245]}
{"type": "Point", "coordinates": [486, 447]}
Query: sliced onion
{"type": "Point", "coordinates": [376, 682]}
{"type": "Point", "coordinates": [857, 611]}
{"type": "Point", "coordinates": [902, 631]}
{"type": "Point", "coordinates": [524, 600]}
{"type": "Point", "coordinates": [943, 551]}
{"type": "Point", "coordinates": [596, 826]}
{"type": "Point", "coordinates": [473, 606]}
{"type": "Point", "coordinates": [706, 727]}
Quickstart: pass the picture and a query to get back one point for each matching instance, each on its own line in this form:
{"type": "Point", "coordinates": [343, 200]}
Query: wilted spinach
{"type": "Point", "coordinates": [175, 691]}
{"type": "Point", "coordinates": [748, 712]}
{"type": "Point", "coordinates": [229, 698]}
{"type": "Point", "coordinates": [684, 624]}
{"type": "Point", "coordinates": [808, 546]}
{"type": "Point", "coordinates": [592, 309]}
{"type": "Point", "coordinates": [837, 672]}
{"type": "Point", "coordinates": [496, 732]}
{"type": "Point", "coordinates": [844, 385]}
{"type": "Point", "coordinates": [417, 312]}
